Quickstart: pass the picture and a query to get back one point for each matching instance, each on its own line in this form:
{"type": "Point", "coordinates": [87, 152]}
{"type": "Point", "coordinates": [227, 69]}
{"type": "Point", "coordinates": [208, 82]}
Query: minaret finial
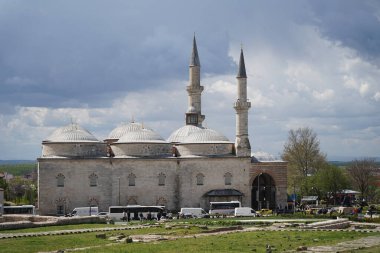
{"type": "Point", "coordinates": [241, 71]}
{"type": "Point", "coordinates": [194, 61]}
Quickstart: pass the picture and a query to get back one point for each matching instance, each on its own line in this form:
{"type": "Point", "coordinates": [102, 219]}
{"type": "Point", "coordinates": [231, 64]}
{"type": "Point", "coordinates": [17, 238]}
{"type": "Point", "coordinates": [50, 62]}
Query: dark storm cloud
{"type": "Point", "coordinates": [352, 23]}
{"type": "Point", "coordinates": [66, 53]}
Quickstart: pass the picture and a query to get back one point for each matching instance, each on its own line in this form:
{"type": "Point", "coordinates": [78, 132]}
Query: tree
{"type": "Point", "coordinates": [362, 174]}
{"type": "Point", "coordinates": [303, 155]}
{"type": "Point", "coordinates": [330, 180]}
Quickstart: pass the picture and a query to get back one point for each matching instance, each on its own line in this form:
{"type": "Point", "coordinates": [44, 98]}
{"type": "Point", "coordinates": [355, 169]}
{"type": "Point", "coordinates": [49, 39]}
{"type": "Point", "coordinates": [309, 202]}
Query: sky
{"type": "Point", "coordinates": [99, 63]}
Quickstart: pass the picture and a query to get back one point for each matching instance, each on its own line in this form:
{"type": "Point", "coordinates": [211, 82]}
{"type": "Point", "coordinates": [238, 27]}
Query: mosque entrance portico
{"type": "Point", "coordinates": [263, 193]}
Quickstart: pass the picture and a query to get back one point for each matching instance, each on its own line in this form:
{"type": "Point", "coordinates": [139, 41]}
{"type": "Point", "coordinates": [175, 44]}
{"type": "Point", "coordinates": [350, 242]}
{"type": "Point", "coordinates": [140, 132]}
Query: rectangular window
{"type": "Point", "coordinates": [60, 210]}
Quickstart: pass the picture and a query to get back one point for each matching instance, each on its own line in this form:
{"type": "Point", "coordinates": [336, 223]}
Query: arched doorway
{"type": "Point", "coordinates": [263, 192]}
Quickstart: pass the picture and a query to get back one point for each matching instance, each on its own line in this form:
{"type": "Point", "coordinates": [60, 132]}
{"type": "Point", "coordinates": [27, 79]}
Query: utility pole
{"type": "Point", "coordinates": [119, 190]}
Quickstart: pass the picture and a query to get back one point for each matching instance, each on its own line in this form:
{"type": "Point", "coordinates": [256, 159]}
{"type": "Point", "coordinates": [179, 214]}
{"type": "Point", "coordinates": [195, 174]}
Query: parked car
{"type": "Point", "coordinates": [193, 212]}
{"type": "Point", "coordinates": [265, 212]}
{"type": "Point", "coordinates": [245, 212]}
{"type": "Point", "coordinates": [85, 211]}
{"type": "Point", "coordinates": [103, 214]}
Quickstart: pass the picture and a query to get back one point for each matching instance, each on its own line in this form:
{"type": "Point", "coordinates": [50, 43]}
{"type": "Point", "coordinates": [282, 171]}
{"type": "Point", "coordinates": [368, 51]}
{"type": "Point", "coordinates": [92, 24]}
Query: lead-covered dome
{"type": "Point", "coordinates": [72, 141]}
{"type": "Point", "coordinates": [71, 133]}
{"type": "Point", "coordinates": [195, 134]}
{"type": "Point", "coordinates": [192, 140]}
{"type": "Point", "coordinates": [121, 130]}
{"type": "Point", "coordinates": [139, 141]}
{"type": "Point", "coordinates": [141, 135]}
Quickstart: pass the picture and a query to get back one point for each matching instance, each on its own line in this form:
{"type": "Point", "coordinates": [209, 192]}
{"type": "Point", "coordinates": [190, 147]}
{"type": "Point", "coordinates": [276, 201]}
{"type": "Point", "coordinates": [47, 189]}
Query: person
{"type": "Point", "coordinates": [124, 216]}
{"type": "Point", "coordinates": [141, 216]}
{"type": "Point", "coordinates": [159, 216]}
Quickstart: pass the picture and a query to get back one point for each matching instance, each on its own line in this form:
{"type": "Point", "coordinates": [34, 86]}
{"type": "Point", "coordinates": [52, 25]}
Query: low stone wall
{"type": "Point", "coordinates": [31, 221]}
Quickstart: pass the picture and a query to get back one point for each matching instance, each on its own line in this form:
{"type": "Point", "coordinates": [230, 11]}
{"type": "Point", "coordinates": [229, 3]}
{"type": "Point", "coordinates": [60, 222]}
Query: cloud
{"type": "Point", "coordinates": [324, 95]}
{"type": "Point", "coordinates": [100, 64]}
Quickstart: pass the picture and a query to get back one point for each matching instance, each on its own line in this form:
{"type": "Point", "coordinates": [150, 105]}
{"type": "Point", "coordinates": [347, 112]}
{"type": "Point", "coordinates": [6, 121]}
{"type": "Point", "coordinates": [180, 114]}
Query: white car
{"type": "Point", "coordinates": [245, 212]}
{"type": "Point", "coordinates": [103, 214]}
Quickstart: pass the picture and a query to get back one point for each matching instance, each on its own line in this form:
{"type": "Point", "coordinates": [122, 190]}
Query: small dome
{"type": "Point", "coordinates": [71, 133]}
{"type": "Point", "coordinates": [119, 131]}
{"type": "Point", "coordinates": [195, 134]}
{"type": "Point", "coordinates": [141, 135]}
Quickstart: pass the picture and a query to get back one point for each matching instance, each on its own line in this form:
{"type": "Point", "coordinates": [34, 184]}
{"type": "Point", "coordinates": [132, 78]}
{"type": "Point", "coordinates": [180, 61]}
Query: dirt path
{"type": "Point", "coordinates": [365, 242]}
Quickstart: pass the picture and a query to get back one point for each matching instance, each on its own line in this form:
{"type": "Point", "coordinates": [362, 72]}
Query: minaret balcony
{"type": "Point", "coordinates": [242, 105]}
{"type": "Point", "coordinates": [194, 89]}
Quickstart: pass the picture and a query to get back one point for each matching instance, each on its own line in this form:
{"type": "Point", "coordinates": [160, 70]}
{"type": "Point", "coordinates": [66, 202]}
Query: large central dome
{"type": "Point", "coordinates": [121, 130]}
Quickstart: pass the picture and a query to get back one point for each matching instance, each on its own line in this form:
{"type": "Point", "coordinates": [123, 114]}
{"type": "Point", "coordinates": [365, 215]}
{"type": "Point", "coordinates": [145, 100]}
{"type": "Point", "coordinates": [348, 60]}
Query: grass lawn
{"type": "Point", "coordinates": [235, 242]}
{"type": "Point", "coordinates": [238, 242]}
{"type": "Point", "coordinates": [56, 242]}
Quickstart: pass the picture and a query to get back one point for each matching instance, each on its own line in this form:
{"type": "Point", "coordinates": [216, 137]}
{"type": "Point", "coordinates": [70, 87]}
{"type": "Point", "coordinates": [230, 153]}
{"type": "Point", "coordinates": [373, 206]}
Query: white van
{"type": "Point", "coordinates": [193, 212]}
{"type": "Point", "coordinates": [245, 212]}
{"type": "Point", "coordinates": [85, 211]}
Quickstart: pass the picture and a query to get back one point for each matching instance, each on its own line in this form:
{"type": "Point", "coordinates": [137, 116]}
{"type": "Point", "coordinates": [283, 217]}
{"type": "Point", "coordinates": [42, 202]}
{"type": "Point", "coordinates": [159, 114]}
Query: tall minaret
{"type": "Point", "coordinates": [194, 89]}
{"type": "Point", "coordinates": [242, 145]}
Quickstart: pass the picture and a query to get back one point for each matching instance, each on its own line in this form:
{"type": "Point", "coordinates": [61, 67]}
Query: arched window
{"type": "Point", "coordinates": [131, 179]}
{"type": "Point", "coordinates": [132, 200]}
{"type": "Point", "coordinates": [161, 179]}
{"type": "Point", "coordinates": [93, 180]}
{"type": "Point", "coordinates": [200, 178]}
{"type": "Point", "coordinates": [228, 178]}
{"type": "Point", "coordinates": [60, 180]}
{"type": "Point", "coordinates": [161, 201]}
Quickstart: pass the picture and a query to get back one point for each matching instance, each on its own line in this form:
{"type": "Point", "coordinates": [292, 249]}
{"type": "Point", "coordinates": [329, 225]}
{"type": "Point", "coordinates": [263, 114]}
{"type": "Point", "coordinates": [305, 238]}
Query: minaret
{"type": "Point", "coordinates": [194, 89]}
{"type": "Point", "coordinates": [242, 145]}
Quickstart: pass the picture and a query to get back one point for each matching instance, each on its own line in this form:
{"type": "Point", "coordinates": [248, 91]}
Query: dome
{"type": "Point", "coordinates": [141, 135]}
{"type": "Point", "coordinates": [195, 134]}
{"type": "Point", "coordinates": [125, 128]}
{"type": "Point", "coordinates": [206, 135]}
{"type": "Point", "coordinates": [71, 133]}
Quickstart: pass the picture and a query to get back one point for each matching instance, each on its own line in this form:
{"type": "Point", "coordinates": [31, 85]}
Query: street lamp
{"type": "Point", "coordinates": [258, 191]}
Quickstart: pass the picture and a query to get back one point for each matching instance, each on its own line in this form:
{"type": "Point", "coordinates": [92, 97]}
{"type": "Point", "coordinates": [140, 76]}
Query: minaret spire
{"type": "Point", "coordinates": [242, 145]}
{"type": "Point", "coordinates": [241, 72]}
{"type": "Point", "coordinates": [194, 60]}
{"type": "Point", "coordinates": [194, 89]}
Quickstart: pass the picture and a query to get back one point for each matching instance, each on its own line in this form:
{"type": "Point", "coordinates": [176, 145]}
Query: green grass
{"type": "Point", "coordinates": [238, 242]}
{"type": "Point", "coordinates": [235, 242]}
{"type": "Point", "coordinates": [49, 243]}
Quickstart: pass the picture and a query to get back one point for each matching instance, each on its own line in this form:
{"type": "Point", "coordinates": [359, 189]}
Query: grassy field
{"type": "Point", "coordinates": [19, 169]}
{"type": "Point", "coordinates": [235, 242]}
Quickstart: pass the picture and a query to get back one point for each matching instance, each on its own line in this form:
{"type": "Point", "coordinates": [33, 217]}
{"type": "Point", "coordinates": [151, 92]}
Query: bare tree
{"type": "Point", "coordinates": [303, 155]}
{"type": "Point", "coordinates": [362, 173]}
{"type": "Point", "coordinates": [302, 151]}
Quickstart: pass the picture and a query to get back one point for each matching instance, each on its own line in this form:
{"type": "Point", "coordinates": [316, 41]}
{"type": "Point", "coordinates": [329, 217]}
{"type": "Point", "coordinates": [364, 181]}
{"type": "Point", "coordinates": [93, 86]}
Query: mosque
{"type": "Point", "coordinates": [136, 166]}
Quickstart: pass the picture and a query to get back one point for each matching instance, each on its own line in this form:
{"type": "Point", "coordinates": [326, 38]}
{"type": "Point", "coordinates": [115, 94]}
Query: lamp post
{"type": "Point", "coordinates": [119, 190]}
{"type": "Point", "coordinates": [258, 191]}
